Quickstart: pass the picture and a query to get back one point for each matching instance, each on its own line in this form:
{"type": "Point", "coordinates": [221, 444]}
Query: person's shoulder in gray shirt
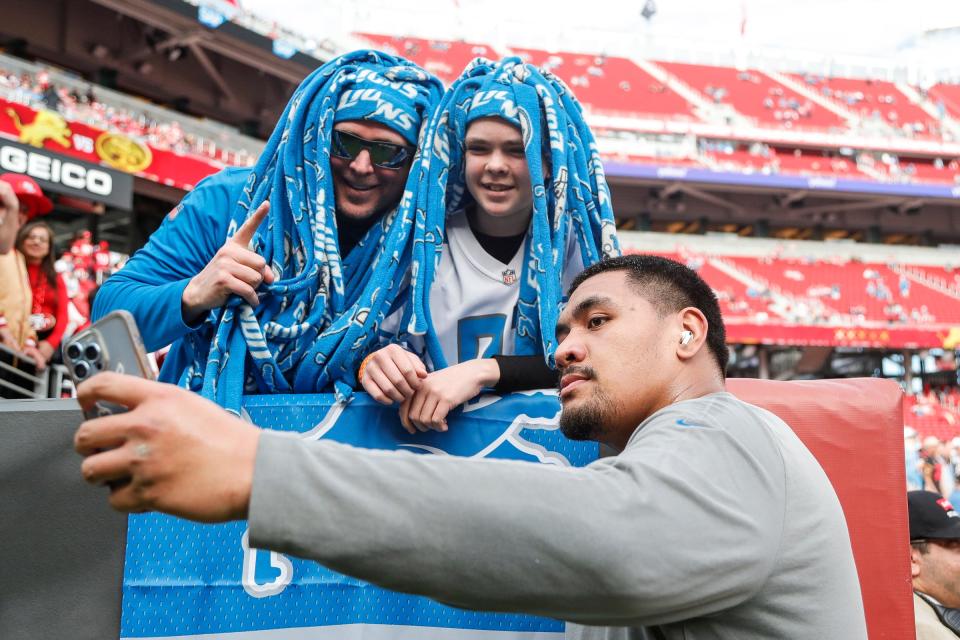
{"type": "Point", "coordinates": [712, 520]}
{"type": "Point", "coordinates": [747, 525]}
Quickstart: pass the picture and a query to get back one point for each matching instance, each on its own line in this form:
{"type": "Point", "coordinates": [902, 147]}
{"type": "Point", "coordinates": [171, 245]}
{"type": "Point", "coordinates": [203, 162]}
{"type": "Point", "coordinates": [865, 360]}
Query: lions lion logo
{"type": "Point", "coordinates": [952, 339]}
{"type": "Point", "coordinates": [48, 125]}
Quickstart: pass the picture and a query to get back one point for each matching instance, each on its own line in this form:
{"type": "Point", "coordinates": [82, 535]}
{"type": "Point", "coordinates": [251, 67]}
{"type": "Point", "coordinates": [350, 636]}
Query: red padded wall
{"type": "Point", "coordinates": [855, 429]}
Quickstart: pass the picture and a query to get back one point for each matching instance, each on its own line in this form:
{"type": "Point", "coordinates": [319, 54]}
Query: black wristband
{"type": "Point", "coordinates": [523, 373]}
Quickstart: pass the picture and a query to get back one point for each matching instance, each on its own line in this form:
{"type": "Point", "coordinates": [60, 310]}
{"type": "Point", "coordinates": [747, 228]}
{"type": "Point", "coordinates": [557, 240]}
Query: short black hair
{"type": "Point", "coordinates": [669, 286]}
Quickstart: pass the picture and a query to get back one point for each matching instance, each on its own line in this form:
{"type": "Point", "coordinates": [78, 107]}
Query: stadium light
{"type": "Point", "coordinates": [99, 51]}
{"type": "Point", "coordinates": [176, 53]}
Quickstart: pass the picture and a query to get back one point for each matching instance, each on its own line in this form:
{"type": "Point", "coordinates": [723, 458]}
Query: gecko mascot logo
{"type": "Point", "coordinates": [47, 125]}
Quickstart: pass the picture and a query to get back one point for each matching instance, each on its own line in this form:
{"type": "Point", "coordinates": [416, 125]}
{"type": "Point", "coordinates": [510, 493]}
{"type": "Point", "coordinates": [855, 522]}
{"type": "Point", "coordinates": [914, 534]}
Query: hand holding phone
{"type": "Point", "coordinates": [111, 344]}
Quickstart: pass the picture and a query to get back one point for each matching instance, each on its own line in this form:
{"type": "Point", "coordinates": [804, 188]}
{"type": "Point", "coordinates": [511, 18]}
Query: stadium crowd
{"type": "Point", "coordinates": [39, 90]}
{"type": "Point", "coordinates": [879, 104]}
{"type": "Point", "coordinates": [835, 291]}
{"type": "Point", "coordinates": [763, 158]}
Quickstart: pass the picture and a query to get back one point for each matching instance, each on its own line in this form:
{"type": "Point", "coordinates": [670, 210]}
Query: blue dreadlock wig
{"type": "Point", "coordinates": [576, 200]}
{"type": "Point", "coordinates": [314, 321]}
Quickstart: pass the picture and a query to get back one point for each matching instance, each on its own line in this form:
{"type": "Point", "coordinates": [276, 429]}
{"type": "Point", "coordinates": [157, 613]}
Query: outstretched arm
{"type": "Point", "coordinates": [620, 542]}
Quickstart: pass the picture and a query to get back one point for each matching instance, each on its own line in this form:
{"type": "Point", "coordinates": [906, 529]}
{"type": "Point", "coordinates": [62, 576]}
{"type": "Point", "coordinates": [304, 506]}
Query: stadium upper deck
{"type": "Point", "coordinates": [866, 129]}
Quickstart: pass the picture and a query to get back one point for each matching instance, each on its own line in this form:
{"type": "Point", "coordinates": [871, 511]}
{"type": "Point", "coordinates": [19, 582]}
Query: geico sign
{"type": "Point", "coordinates": [69, 174]}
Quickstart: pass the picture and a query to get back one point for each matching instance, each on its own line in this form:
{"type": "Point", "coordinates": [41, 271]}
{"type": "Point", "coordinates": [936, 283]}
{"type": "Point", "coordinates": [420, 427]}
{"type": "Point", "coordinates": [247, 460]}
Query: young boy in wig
{"type": "Point", "coordinates": [512, 204]}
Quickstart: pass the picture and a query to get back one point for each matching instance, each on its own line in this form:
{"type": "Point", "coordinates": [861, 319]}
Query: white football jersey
{"type": "Point", "coordinates": [474, 296]}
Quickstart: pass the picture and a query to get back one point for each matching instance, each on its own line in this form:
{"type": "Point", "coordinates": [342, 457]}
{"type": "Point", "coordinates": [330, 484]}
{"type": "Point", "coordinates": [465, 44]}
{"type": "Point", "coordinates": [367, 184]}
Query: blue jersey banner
{"type": "Point", "coordinates": [188, 580]}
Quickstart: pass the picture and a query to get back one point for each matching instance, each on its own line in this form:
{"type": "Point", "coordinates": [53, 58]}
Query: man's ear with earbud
{"type": "Point", "coordinates": [693, 332]}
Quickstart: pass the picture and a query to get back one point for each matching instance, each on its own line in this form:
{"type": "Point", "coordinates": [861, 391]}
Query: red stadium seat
{"type": "Point", "coordinates": [854, 428]}
{"type": "Point", "coordinates": [755, 94]}
{"type": "Point", "coordinates": [445, 58]}
{"type": "Point", "coordinates": [939, 277]}
{"type": "Point", "coordinates": [623, 90]}
{"type": "Point", "coordinates": [611, 85]}
{"type": "Point", "coordinates": [884, 296]}
{"type": "Point", "coordinates": [931, 419]}
{"type": "Point", "coordinates": [805, 162]}
{"type": "Point", "coordinates": [949, 95]}
{"type": "Point", "coordinates": [924, 170]}
{"type": "Point", "coordinates": [877, 99]}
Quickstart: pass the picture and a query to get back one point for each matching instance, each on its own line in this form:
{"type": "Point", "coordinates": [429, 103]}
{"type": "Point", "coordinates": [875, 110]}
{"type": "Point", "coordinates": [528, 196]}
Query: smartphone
{"type": "Point", "coordinates": [111, 344]}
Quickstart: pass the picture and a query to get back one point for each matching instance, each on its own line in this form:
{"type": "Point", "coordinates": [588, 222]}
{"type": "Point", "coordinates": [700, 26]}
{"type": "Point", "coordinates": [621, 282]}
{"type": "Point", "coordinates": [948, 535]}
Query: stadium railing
{"type": "Point", "coordinates": [17, 380]}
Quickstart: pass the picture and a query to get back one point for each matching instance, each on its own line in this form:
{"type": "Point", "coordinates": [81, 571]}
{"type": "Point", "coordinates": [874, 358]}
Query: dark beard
{"type": "Point", "coordinates": [591, 420]}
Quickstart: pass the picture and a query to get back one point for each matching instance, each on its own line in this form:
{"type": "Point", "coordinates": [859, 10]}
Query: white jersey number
{"type": "Point", "coordinates": [480, 336]}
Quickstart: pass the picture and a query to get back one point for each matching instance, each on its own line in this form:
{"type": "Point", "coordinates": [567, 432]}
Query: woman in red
{"type": "Point", "coordinates": [48, 315]}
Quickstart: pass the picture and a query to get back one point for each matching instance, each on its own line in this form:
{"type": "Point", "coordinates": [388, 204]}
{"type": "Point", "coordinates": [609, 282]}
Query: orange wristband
{"type": "Point", "coordinates": [363, 365]}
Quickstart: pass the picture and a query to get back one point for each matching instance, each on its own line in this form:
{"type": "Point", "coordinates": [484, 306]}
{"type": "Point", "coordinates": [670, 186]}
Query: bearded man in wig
{"type": "Point", "coordinates": [270, 279]}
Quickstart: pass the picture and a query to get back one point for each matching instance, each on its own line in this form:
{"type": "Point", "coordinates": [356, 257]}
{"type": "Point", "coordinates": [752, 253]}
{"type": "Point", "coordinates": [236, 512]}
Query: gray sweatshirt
{"type": "Point", "coordinates": [714, 522]}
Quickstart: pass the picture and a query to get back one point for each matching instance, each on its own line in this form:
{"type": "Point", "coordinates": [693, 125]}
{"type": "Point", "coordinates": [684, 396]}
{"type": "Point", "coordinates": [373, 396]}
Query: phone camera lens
{"type": "Point", "coordinates": [81, 370]}
{"type": "Point", "coordinates": [92, 352]}
{"type": "Point", "coordinates": [73, 351]}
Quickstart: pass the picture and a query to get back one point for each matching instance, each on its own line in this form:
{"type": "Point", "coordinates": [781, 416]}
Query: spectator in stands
{"type": "Point", "coordinates": [22, 198]}
{"type": "Point", "coordinates": [10, 215]}
{"type": "Point", "coordinates": [932, 464]}
{"type": "Point", "coordinates": [48, 317]}
{"type": "Point", "coordinates": [710, 520]}
{"type": "Point", "coordinates": [51, 100]}
{"type": "Point", "coordinates": [934, 565]}
{"type": "Point", "coordinates": [953, 455]}
{"type": "Point", "coordinates": [912, 460]}
{"type": "Point", "coordinates": [948, 480]}
{"type": "Point", "coordinates": [40, 91]}
{"type": "Point", "coordinates": [496, 225]}
{"type": "Point", "coordinates": [288, 308]}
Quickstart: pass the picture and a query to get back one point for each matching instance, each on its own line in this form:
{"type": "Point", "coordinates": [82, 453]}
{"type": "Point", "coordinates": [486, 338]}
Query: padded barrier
{"type": "Point", "coordinates": [854, 427]}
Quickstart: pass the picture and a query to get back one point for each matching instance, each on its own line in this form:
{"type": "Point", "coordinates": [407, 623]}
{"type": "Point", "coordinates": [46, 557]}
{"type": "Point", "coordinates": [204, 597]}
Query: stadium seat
{"type": "Point", "coordinates": [611, 85]}
{"type": "Point", "coordinates": [444, 58]}
{"type": "Point", "coordinates": [872, 291]}
{"type": "Point", "coordinates": [756, 95]}
{"type": "Point", "coordinates": [949, 96]}
{"type": "Point", "coordinates": [807, 162]}
{"type": "Point", "coordinates": [926, 170]}
{"type": "Point", "coordinates": [931, 419]}
{"type": "Point", "coordinates": [875, 99]}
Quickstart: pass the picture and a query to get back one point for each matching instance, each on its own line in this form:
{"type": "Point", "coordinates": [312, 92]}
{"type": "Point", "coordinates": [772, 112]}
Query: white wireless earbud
{"type": "Point", "coordinates": [686, 337]}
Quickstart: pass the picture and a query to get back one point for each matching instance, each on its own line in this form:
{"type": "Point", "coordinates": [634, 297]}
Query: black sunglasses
{"type": "Point", "coordinates": [383, 154]}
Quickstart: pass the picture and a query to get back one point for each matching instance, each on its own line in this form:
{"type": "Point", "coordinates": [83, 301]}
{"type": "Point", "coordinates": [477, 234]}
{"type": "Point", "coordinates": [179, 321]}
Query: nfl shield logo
{"type": "Point", "coordinates": [509, 276]}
